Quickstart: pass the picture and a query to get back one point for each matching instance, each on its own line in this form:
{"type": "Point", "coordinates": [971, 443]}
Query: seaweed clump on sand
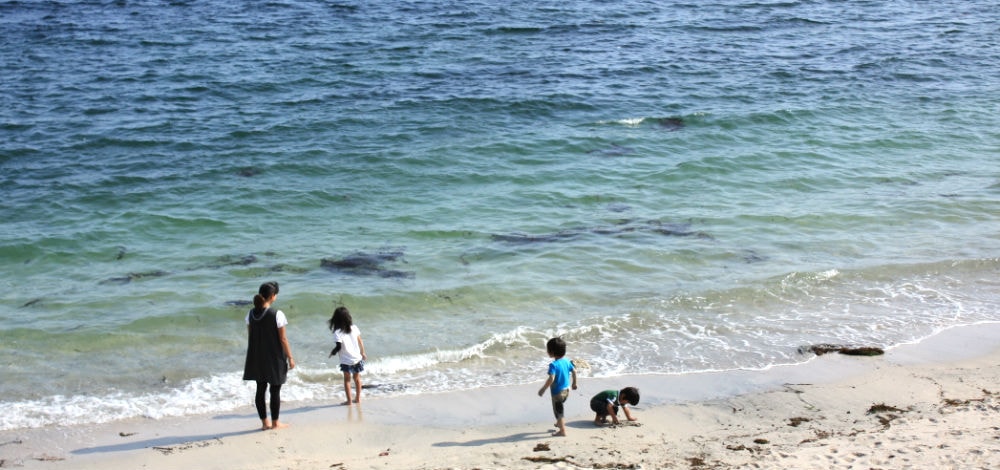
{"type": "Point", "coordinates": [821, 349]}
{"type": "Point", "coordinates": [885, 413]}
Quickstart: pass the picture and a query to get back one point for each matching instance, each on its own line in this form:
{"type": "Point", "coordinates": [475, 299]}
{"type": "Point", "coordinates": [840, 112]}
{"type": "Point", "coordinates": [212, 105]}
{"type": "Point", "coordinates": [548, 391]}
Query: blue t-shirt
{"type": "Point", "coordinates": [562, 370]}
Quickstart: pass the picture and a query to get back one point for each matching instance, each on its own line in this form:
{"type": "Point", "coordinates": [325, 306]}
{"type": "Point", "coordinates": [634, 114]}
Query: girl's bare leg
{"type": "Point", "coordinates": [357, 389]}
{"type": "Point", "coordinates": [347, 387]}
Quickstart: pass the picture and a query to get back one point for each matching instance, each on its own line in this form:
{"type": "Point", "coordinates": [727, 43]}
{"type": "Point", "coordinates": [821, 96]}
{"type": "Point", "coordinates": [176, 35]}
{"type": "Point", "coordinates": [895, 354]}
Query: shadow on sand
{"type": "Point", "coordinates": [164, 443]}
{"type": "Point", "coordinates": [522, 436]}
{"type": "Point", "coordinates": [519, 437]}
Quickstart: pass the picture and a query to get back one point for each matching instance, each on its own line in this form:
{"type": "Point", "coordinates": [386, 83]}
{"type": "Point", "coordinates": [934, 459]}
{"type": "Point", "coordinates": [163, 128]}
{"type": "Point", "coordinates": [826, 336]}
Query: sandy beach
{"type": "Point", "coordinates": [935, 404]}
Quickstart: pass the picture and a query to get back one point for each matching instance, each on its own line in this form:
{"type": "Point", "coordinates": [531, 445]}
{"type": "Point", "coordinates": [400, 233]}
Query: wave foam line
{"type": "Point", "coordinates": [396, 364]}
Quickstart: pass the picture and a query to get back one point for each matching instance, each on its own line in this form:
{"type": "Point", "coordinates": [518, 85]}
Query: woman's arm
{"type": "Point", "coordinates": [285, 347]}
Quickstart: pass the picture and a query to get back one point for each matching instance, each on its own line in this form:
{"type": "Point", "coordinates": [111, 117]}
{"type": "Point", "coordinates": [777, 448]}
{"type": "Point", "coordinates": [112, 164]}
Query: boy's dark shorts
{"type": "Point", "coordinates": [355, 369]}
{"type": "Point", "coordinates": [557, 403]}
{"type": "Point", "coordinates": [600, 407]}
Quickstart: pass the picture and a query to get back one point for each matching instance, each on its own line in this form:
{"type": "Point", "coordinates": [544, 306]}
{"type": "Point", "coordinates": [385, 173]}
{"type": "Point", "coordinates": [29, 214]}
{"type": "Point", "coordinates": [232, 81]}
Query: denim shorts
{"type": "Point", "coordinates": [355, 369]}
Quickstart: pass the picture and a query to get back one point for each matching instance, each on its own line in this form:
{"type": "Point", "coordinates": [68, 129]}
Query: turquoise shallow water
{"type": "Point", "coordinates": [671, 187]}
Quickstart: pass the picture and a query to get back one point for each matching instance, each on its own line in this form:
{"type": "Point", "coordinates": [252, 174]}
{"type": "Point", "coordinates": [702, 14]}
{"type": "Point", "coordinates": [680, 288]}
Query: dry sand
{"type": "Point", "coordinates": [931, 405]}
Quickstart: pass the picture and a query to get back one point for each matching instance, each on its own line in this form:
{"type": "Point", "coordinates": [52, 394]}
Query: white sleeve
{"type": "Point", "coordinates": [280, 319]}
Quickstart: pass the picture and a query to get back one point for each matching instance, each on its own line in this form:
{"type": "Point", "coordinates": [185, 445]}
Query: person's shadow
{"type": "Point", "coordinates": [163, 444]}
{"type": "Point", "coordinates": [522, 436]}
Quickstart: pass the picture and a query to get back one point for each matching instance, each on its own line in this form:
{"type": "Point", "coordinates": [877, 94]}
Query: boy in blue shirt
{"type": "Point", "coordinates": [561, 370]}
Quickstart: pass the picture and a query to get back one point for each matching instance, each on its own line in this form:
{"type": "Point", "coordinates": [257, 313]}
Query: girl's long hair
{"type": "Point", "coordinates": [265, 292]}
{"type": "Point", "coordinates": [341, 320]}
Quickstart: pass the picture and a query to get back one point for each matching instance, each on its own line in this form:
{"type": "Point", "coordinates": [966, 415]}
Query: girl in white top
{"type": "Point", "coordinates": [351, 350]}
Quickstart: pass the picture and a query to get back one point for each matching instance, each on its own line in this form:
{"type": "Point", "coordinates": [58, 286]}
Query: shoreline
{"type": "Point", "coordinates": [933, 403]}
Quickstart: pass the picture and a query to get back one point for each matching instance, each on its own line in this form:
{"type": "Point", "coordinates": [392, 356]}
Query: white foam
{"type": "Point", "coordinates": [395, 364]}
{"type": "Point", "coordinates": [214, 394]}
{"type": "Point", "coordinates": [626, 121]}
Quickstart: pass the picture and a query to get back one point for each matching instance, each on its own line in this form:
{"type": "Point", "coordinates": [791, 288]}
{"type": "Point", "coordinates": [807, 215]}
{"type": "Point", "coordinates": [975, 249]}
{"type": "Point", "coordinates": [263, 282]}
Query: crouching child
{"type": "Point", "coordinates": [608, 402]}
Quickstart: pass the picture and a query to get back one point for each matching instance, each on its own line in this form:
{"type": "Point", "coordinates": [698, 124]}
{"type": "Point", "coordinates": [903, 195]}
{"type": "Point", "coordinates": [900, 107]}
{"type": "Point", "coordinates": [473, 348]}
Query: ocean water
{"type": "Point", "coordinates": [672, 187]}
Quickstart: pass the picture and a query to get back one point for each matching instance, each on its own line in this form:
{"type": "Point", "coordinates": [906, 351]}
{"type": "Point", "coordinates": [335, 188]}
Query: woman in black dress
{"type": "Point", "coordinates": [268, 355]}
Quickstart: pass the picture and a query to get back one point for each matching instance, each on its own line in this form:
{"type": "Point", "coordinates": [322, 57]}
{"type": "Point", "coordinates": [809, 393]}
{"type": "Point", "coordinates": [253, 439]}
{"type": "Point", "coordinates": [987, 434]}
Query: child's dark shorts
{"type": "Point", "coordinates": [557, 403]}
{"type": "Point", "coordinates": [600, 407]}
{"type": "Point", "coordinates": [355, 369]}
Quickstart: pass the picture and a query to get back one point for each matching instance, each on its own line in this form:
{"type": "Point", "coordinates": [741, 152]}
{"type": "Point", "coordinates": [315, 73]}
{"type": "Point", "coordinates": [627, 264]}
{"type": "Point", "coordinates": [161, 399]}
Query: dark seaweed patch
{"type": "Point", "coordinates": [134, 277]}
{"type": "Point", "coordinates": [613, 151]}
{"type": "Point", "coordinates": [670, 124]}
{"type": "Point", "coordinates": [367, 264]}
{"type": "Point", "coordinates": [230, 260]}
{"type": "Point", "coordinates": [520, 238]}
{"type": "Point", "coordinates": [653, 226]}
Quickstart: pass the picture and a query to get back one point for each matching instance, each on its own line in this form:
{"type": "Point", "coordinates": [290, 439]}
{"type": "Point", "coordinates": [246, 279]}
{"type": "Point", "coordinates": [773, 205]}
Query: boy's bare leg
{"type": "Point", "coordinates": [561, 424]}
{"type": "Point", "coordinates": [265, 424]}
{"type": "Point", "coordinates": [279, 425]}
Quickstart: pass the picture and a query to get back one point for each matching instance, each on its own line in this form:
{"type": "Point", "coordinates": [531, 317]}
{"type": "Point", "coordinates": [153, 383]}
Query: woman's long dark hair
{"type": "Point", "coordinates": [341, 320]}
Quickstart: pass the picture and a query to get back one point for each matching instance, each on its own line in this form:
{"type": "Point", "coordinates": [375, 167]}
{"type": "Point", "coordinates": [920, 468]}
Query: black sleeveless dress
{"type": "Point", "coordinates": [265, 357]}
